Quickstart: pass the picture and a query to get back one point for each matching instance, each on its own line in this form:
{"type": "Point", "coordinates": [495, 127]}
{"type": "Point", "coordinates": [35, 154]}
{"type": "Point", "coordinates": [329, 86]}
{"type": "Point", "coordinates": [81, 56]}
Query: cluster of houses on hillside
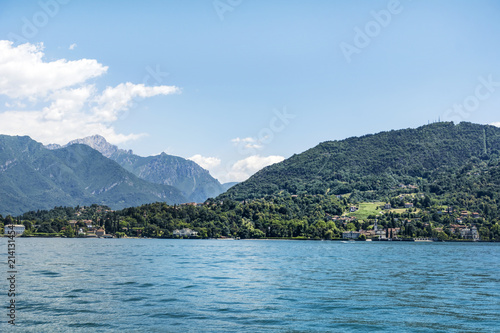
{"type": "Point", "coordinates": [376, 232]}
{"type": "Point", "coordinates": [345, 219]}
{"type": "Point", "coordinates": [465, 232]}
{"type": "Point", "coordinates": [388, 206]}
{"type": "Point", "coordinates": [90, 230]}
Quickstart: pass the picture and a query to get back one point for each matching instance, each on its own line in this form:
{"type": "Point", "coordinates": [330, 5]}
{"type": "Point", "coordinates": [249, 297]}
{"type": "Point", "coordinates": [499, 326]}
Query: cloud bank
{"type": "Point", "coordinates": [235, 171]}
{"type": "Point", "coordinates": [53, 101]}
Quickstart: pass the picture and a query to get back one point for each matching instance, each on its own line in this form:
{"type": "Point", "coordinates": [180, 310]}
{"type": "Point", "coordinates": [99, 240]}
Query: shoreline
{"type": "Point", "coordinates": [274, 239]}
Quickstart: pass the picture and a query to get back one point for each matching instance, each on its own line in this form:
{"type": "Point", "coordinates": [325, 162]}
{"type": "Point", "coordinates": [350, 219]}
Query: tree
{"type": "Point", "coordinates": [69, 232]}
{"type": "Point", "coordinates": [442, 236]}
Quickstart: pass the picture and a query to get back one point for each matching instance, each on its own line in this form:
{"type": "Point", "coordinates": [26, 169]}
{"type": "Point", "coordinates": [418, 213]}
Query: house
{"type": "Point", "coordinates": [368, 233]}
{"type": "Point", "coordinates": [457, 228]}
{"type": "Point", "coordinates": [387, 206]}
{"type": "Point", "coordinates": [351, 235]}
{"type": "Point", "coordinates": [100, 232]}
{"type": "Point", "coordinates": [392, 232]}
{"type": "Point", "coordinates": [470, 233]}
{"type": "Point", "coordinates": [72, 223]}
{"type": "Point", "coordinates": [17, 228]}
{"type": "Point", "coordinates": [88, 223]}
{"type": "Point", "coordinates": [464, 213]}
{"type": "Point", "coordinates": [408, 205]}
{"type": "Point", "coordinates": [185, 232]}
{"type": "Point", "coordinates": [475, 215]}
{"type": "Point", "coordinates": [353, 209]}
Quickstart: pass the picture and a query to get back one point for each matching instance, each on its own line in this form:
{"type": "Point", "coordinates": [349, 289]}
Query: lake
{"type": "Point", "coordinates": [153, 285]}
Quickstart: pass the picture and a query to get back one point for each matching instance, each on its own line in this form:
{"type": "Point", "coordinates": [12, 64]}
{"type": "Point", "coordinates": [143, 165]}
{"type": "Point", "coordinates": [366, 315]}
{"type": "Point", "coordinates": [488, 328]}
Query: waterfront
{"type": "Point", "coordinates": [154, 285]}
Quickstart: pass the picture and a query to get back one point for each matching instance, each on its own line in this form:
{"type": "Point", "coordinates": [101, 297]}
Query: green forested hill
{"type": "Point", "coordinates": [33, 177]}
{"type": "Point", "coordinates": [373, 164]}
{"type": "Point", "coordinates": [438, 179]}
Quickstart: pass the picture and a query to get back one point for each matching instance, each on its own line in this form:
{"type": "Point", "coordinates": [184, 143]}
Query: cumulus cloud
{"type": "Point", "coordinates": [24, 74]}
{"type": "Point", "coordinates": [244, 168]}
{"type": "Point", "coordinates": [235, 171]}
{"type": "Point", "coordinates": [63, 105]}
{"type": "Point", "coordinates": [497, 124]}
{"type": "Point", "coordinates": [248, 143]}
{"type": "Point", "coordinates": [73, 46]}
{"type": "Point", "coordinates": [244, 140]}
{"type": "Point", "coordinates": [208, 163]}
{"type": "Point", "coordinates": [119, 98]}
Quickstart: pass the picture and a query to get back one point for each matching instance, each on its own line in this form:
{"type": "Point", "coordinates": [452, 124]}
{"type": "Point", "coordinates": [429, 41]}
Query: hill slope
{"type": "Point", "coordinates": [33, 177]}
{"type": "Point", "coordinates": [195, 183]}
{"type": "Point", "coordinates": [375, 163]}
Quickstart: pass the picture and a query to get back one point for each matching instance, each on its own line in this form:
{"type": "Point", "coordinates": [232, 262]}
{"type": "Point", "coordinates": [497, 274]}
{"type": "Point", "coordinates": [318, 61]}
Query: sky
{"type": "Point", "coordinates": [236, 85]}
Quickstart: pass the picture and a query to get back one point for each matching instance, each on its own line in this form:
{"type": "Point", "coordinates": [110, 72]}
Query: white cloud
{"type": "Point", "coordinates": [73, 46]}
{"type": "Point", "coordinates": [248, 143]}
{"type": "Point", "coordinates": [63, 105]}
{"type": "Point", "coordinates": [236, 171]}
{"type": "Point", "coordinates": [24, 74]}
{"type": "Point", "coordinates": [253, 146]}
{"type": "Point", "coordinates": [120, 98]}
{"type": "Point", "coordinates": [15, 104]}
{"type": "Point", "coordinates": [244, 140]}
{"type": "Point", "coordinates": [208, 163]}
{"type": "Point", "coordinates": [243, 169]}
{"type": "Point", "coordinates": [497, 124]}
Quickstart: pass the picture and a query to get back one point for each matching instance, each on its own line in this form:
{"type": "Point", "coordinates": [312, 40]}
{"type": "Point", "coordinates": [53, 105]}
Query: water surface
{"type": "Point", "coordinates": [148, 285]}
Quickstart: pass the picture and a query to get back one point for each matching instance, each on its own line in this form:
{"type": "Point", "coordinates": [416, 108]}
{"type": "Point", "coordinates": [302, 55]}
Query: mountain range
{"type": "Point", "coordinates": [195, 183]}
{"type": "Point", "coordinates": [442, 158]}
{"type": "Point", "coordinates": [33, 177]}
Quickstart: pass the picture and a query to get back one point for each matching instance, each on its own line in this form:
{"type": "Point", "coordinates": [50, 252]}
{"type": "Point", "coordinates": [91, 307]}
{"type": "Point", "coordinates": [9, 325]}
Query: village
{"type": "Point", "coordinates": [376, 233]}
{"type": "Point", "coordinates": [365, 221]}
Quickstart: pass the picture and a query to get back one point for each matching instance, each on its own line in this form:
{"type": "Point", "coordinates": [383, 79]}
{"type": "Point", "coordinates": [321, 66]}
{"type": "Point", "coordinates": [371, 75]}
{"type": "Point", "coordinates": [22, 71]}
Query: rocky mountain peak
{"type": "Point", "coordinates": [96, 142]}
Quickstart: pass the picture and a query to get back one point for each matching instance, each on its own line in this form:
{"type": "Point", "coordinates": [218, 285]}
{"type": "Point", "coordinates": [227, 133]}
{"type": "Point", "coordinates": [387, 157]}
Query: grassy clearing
{"type": "Point", "coordinates": [366, 209]}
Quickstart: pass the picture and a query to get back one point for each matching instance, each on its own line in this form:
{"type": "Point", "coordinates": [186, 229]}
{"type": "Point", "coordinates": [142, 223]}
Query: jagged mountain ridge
{"type": "Point", "coordinates": [33, 177]}
{"type": "Point", "coordinates": [195, 183]}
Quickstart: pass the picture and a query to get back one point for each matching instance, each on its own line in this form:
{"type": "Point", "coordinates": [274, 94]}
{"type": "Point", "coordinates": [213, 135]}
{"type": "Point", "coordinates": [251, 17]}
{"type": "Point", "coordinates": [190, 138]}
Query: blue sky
{"type": "Point", "coordinates": [237, 84]}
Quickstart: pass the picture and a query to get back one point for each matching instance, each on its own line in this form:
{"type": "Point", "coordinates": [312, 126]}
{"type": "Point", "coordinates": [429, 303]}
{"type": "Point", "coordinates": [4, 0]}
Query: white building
{"type": "Point", "coordinates": [18, 229]}
{"type": "Point", "coordinates": [185, 232]}
{"type": "Point", "coordinates": [351, 235]}
{"type": "Point", "coordinates": [471, 233]}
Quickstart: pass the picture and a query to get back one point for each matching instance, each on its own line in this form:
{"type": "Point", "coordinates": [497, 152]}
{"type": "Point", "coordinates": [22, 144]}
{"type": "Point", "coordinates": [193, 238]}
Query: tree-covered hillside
{"type": "Point", "coordinates": [33, 177]}
{"type": "Point", "coordinates": [374, 164]}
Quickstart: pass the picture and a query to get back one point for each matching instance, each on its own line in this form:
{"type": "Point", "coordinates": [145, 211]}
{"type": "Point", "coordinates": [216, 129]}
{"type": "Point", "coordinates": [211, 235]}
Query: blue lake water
{"type": "Point", "coordinates": [147, 285]}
